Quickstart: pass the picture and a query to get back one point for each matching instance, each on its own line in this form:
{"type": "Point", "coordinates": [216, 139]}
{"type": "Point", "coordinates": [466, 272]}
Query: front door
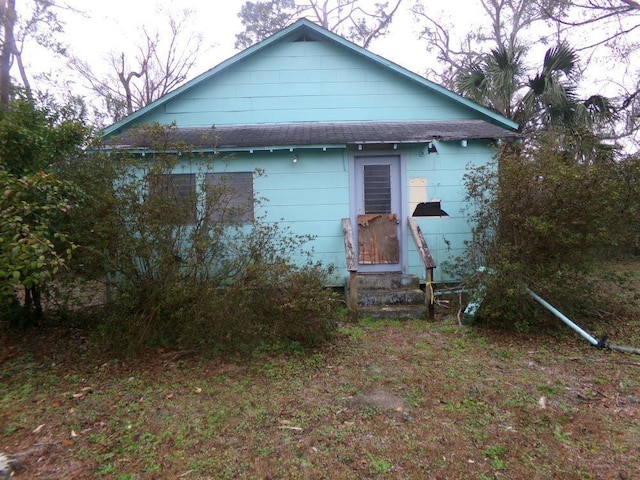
{"type": "Point", "coordinates": [377, 213]}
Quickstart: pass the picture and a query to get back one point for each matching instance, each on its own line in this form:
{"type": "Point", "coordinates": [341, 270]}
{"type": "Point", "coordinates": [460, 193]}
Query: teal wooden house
{"type": "Point", "coordinates": [359, 152]}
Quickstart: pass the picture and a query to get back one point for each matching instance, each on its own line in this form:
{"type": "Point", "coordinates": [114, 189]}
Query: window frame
{"type": "Point", "coordinates": [239, 196]}
{"type": "Point", "coordinates": [172, 190]}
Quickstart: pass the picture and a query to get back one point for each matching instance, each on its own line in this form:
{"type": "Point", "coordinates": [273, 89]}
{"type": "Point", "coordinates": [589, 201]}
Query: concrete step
{"type": "Point", "coordinates": [390, 297]}
{"type": "Point", "coordinates": [387, 281]}
{"type": "Point", "coordinates": [393, 312]}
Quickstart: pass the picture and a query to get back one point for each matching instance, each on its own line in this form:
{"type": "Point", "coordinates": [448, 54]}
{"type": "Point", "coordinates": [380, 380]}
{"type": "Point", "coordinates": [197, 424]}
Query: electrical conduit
{"type": "Point", "coordinates": [602, 343]}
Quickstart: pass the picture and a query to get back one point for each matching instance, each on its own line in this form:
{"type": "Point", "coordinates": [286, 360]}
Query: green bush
{"type": "Point", "coordinates": [545, 217]}
{"type": "Point", "coordinates": [189, 269]}
{"type": "Point", "coordinates": [34, 246]}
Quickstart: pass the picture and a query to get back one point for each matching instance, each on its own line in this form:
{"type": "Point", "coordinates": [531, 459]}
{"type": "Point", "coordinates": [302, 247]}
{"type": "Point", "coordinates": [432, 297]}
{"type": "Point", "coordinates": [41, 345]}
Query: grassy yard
{"type": "Point", "coordinates": [408, 400]}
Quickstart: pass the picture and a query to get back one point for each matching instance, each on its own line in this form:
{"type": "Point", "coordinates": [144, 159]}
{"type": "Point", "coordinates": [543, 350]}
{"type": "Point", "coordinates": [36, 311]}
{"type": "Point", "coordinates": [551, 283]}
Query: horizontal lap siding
{"type": "Point", "coordinates": [319, 81]}
{"type": "Point", "coordinates": [444, 171]}
{"type": "Point", "coordinates": [293, 115]}
{"type": "Point", "coordinates": [312, 196]}
{"type": "Point", "coordinates": [305, 81]}
{"type": "Point", "coordinates": [309, 197]}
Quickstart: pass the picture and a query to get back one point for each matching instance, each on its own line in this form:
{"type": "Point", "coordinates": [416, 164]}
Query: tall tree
{"type": "Point", "coordinates": [31, 21]}
{"type": "Point", "coordinates": [496, 80]}
{"type": "Point", "coordinates": [609, 29]}
{"type": "Point", "coordinates": [504, 26]}
{"type": "Point", "coordinates": [602, 34]}
{"type": "Point", "coordinates": [162, 61]}
{"type": "Point", "coordinates": [547, 98]}
{"type": "Point", "coordinates": [360, 21]}
{"type": "Point", "coordinates": [8, 16]}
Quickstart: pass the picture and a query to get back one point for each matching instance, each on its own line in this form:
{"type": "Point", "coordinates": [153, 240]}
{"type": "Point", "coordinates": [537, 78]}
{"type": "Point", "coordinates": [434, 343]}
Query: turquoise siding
{"type": "Point", "coordinates": [305, 81]}
{"type": "Point", "coordinates": [311, 197]}
{"type": "Point", "coordinates": [322, 81]}
{"type": "Point", "coordinates": [444, 172]}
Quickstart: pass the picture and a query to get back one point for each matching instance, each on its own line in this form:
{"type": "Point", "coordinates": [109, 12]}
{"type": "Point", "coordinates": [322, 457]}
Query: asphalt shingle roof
{"type": "Point", "coordinates": [317, 133]}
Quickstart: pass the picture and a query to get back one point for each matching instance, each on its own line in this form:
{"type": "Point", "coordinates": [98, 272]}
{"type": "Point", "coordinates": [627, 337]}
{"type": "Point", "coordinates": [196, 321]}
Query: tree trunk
{"type": "Point", "coordinates": [8, 17]}
{"type": "Point", "coordinates": [32, 306]}
{"type": "Point", "coordinates": [23, 74]}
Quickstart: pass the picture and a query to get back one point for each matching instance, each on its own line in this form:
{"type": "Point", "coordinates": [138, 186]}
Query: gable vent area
{"type": "Point", "coordinates": [304, 38]}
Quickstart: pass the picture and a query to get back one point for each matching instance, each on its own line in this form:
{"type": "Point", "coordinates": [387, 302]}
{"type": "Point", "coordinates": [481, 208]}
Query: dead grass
{"type": "Point", "coordinates": [388, 400]}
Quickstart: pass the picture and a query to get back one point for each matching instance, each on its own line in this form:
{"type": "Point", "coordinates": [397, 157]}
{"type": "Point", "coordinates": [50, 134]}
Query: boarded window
{"type": "Point", "coordinates": [230, 197]}
{"type": "Point", "coordinates": [377, 189]}
{"type": "Point", "coordinates": [180, 190]}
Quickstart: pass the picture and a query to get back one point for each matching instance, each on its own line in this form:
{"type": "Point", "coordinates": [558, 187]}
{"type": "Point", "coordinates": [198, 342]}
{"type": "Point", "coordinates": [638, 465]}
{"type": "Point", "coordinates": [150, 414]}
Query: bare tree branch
{"type": "Point", "coordinates": [28, 22]}
{"type": "Point", "coordinates": [345, 17]}
{"type": "Point", "coordinates": [610, 27]}
{"type": "Point", "coordinates": [161, 62]}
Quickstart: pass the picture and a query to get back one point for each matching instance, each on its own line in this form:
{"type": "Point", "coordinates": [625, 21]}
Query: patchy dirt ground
{"type": "Point", "coordinates": [388, 400]}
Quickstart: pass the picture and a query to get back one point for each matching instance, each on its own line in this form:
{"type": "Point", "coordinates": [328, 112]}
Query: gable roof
{"type": "Point", "coordinates": [308, 29]}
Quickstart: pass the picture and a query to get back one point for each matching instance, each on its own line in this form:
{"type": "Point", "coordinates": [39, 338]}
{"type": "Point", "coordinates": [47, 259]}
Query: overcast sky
{"type": "Point", "coordinates": [101, 27]}
{"type": "Point", "coordinates": [114, 24]}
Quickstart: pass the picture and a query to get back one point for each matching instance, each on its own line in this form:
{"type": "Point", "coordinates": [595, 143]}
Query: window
{"type": "Point", "coordinates": [377, 188]}
{"type": "Point", "coordinates": [179, 189]}
{"type": "Point", "coordinates": [227, 197]}
{"type": "Point", "coordinates": [230, 197]}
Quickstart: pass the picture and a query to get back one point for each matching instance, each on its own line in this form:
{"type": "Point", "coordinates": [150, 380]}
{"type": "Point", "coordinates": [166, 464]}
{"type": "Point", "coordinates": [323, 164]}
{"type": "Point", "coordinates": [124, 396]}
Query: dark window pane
{"type": "Point", "coordinates": [230, 197]}
{"type": "Point", "coordinates": [377, 188]}
{"type": "Point", "coordinates": [180, 190]}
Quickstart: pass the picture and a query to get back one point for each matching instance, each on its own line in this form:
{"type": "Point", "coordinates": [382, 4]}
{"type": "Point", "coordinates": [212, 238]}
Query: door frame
{"type": "Point", "coordinates": [402, 214]}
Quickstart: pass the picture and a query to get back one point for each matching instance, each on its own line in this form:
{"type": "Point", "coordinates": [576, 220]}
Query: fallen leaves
{"type": "Point", "coordinates": [82, 393]}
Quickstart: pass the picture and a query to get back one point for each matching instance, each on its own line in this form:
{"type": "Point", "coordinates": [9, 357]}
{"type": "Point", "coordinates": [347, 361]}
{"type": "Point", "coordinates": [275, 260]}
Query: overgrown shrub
{"type": "Point", "coordinates": [265, 304]}
{"type": "Point", "coordinates": [185, 267]}
{"type": "Point", "coordinates": [544, 219]}
{"type": "Point", "coordinates": [34, 246]}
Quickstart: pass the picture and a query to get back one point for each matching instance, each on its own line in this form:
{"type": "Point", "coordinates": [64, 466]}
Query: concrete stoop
{"type": "Point", "coordinates": [393, 296]}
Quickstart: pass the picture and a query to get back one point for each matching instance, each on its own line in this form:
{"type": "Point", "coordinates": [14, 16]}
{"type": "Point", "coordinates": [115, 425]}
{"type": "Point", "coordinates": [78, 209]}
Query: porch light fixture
{"type": "Point", "coordinates": [432, 148]}
{"type": "Point", "coordinates": [295, 159]}
{"type": "Point", "coordinates": [463, 143]}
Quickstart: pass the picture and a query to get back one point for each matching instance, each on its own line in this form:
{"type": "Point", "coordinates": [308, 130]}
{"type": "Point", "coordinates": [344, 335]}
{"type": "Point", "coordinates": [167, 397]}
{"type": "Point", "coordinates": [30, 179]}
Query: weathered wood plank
{"type": "Point", "coordinates": [352, 266]}
{"type": "Point", "coordinates": [427, 261]}
{"type": "Point", "coordinates": [421, 244]}
{"type": "Point", "coordinates": [348, 245]}
{"type": "Point", "coordinates": [378, 239]}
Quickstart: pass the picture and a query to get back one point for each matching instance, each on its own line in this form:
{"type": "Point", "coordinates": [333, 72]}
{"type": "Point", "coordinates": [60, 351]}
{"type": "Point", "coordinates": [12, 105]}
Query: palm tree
{"type": "Point", "coordinates": [547, 99]}
{"type": "Point", "coordinates": [495, 81]}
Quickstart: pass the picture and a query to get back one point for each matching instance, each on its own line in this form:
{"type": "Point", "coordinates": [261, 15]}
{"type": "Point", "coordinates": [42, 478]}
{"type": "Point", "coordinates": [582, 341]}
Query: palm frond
{"type": "Point", "coordinates": [561, 58]}
{"type": "Point", "coordinates": [600, 107]}
{"type": "Point", "coordinates": [537, 84]}
{"type": "Point", "coordinates": [472, 82]}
